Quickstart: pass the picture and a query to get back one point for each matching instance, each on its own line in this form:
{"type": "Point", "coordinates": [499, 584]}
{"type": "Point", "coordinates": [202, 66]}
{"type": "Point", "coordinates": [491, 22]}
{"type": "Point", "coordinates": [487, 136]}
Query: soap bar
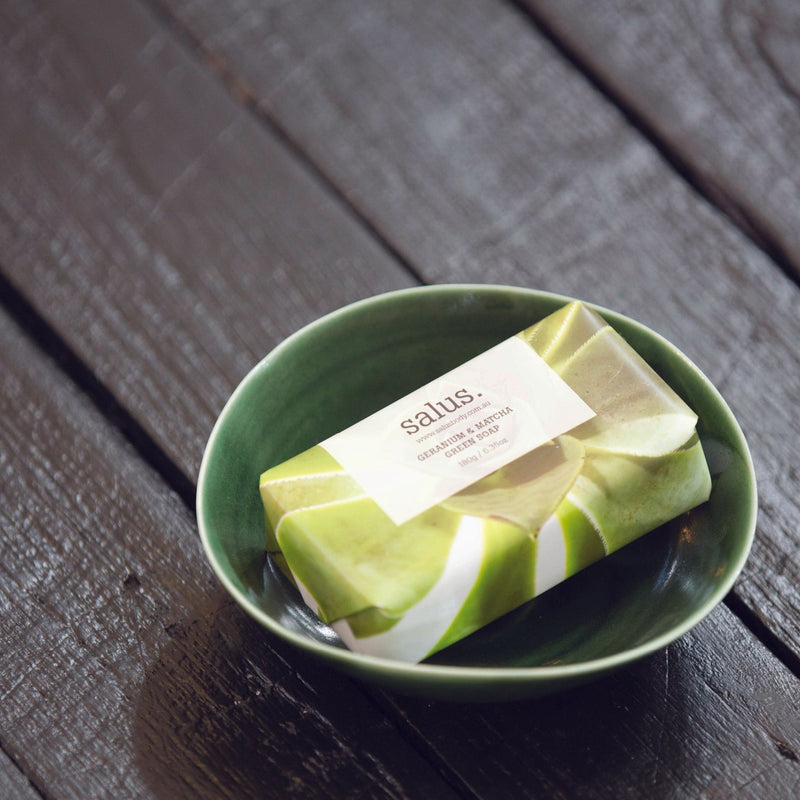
{"type": "Point", "coordinates": [485, 488]}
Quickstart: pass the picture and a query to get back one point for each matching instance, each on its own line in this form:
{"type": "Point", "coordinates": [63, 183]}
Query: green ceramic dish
{"type": "Point", "coordinates": [354, 361]}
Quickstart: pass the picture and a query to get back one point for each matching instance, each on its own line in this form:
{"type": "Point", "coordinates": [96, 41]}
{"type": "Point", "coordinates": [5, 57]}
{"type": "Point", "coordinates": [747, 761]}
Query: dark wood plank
{"type": "Point", "coordinates": [716, 84]}
{"type": "Point", "coordinates": [696, 720]}
{"type": "Point", "coordinates": [204, 656]}
{"type": "Point", "coordinates": [166, 236]}
{"type": "Point", "coordinates": [124, 670]}
{"type": "Point", "coordinates": [480, 154]}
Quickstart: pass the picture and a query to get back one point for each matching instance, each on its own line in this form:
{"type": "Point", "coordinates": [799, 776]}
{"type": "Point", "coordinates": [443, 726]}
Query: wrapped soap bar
{"type": "Point", "coordinates": [484, 488]}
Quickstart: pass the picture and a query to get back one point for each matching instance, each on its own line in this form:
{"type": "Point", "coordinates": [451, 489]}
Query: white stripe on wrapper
{"type": "Point", "coordinates": [424, 624]}
{"type": "Point", "coordinates": [551, 555]}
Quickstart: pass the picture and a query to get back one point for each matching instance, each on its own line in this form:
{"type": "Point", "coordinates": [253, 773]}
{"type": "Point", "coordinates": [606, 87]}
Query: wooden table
{"type": "Point", "coordinates": [183, 183]}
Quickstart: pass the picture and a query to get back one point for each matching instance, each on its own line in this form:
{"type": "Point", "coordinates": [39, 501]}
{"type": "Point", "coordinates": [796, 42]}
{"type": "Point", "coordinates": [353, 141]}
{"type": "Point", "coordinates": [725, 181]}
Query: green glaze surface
{"type": "Point", "coordinates": [353, 362]}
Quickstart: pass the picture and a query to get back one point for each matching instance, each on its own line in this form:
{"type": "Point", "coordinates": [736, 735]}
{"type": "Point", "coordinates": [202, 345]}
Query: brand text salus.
{"type": "Point", "coordinates": [432, 412]}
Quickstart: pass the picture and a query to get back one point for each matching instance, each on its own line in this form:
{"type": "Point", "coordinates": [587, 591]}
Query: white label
{"type": "Point", "coordinates": [457, 429]}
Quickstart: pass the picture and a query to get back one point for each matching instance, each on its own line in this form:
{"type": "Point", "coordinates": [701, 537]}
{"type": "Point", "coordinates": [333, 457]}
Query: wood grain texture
{"type": "Point", "coordinates": [168, 237]}
{"type": "Point", "coordinates": [717, 83]}
{"type": "Point", "coordinates": [480, 154]}
{"type": "Point", "coordinates": [125, 671]}
{"type": "Point", "coordinates": [699, 719]}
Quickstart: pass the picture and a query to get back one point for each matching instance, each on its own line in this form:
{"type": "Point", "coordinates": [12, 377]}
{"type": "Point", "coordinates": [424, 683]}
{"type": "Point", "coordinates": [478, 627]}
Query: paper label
{"type": "Point", "coordinates": [458, 429]}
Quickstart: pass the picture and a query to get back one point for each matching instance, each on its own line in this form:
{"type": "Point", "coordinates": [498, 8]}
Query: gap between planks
{"type": "Point", "coordinates": [712, 193]}
{"type": "Point", "coordinates": [69, 362]}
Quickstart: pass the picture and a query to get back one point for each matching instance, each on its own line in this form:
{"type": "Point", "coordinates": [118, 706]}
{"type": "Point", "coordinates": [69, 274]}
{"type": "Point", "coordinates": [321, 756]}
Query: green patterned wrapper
{"type": "Point", "coordinates": [405, 591]}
